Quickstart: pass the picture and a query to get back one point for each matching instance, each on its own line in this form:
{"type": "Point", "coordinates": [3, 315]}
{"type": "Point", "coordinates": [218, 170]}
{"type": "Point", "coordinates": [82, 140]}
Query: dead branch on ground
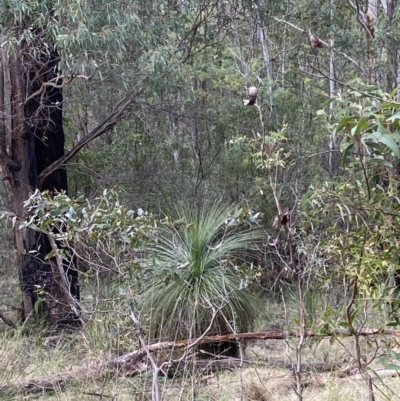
{"type": "Point", "coordinates": [136, 362]}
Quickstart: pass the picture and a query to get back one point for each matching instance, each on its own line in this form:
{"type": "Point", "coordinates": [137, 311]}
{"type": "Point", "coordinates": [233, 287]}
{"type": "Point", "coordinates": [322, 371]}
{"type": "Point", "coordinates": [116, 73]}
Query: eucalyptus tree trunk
{"type": "Point", "coordinates": [31, 138]}
{"type": "Point", "coordinates": [333, 145]}
{"type": "Point", "coordinates": [393, 77]}
{"type": "Point", "coordinates": [267, 61]}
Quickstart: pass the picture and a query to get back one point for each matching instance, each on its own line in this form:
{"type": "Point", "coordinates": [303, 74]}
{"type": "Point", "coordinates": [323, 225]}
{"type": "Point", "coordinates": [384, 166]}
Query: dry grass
{"type": "Point", "coordinates": [31, 356]}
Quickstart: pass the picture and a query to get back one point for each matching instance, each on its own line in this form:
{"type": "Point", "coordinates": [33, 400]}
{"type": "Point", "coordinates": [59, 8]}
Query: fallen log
{"type": "Point", "coordinates": [121, 361]}
{"type": "Point", "coordinates": [136, 362]}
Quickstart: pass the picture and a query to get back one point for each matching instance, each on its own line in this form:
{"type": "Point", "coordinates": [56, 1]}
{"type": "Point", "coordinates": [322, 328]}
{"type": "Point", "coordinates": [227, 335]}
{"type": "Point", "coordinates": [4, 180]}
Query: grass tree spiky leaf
{"type": "Point", "coordinates": [201, 255]}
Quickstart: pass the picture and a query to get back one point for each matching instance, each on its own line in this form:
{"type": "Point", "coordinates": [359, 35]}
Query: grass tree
{"type": "Point", "coordinates": [197, 286]}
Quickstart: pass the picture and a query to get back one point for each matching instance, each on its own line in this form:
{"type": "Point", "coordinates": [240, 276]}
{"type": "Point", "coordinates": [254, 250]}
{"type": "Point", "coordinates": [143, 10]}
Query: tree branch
{"type": "Point", "coordinates": [53, 83]}
{"type": "Point", "coordinates": [108, 123]}
{"type": "Point", "coordinates": [360, 15]}
{"type": "Point", "coordinates": [323, 42]}
{"type": "Point", "coordinates": [7, 321]}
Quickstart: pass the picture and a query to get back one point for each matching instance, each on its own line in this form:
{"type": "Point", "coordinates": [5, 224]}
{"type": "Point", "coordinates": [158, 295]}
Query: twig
{"type": "Point", "coordinates": [108, 123]}
{"type": "Point", "coordinates": [53, 82]}
{"type": "Point", "coordinates": [101, 395]}
{"type": "Point", "coordinates": [356, 8]}
{"type": "Point", "coordinates": [155, 396]}
{"type": "Point", "coordinates": [7, 321]}
{"type": "Point", "coordinates": [300, 344]}
{"type": "Point", "coordinates": [323, 42]}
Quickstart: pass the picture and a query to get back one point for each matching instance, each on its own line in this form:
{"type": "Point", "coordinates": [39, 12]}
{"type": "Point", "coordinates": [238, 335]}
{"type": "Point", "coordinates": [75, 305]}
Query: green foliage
{"type": "Point", "coordinates": [90, 35]}
{"type": "Point", "coordinates": [360, 210]}
{"type": "Point", "coordinates": [196, 280]}
{"type": "Point", "coordinates": [362, 229]}
{"type": "Point", "coordinates": [103, 233]}
{"type": "Point", "coordinates": [370, 126]}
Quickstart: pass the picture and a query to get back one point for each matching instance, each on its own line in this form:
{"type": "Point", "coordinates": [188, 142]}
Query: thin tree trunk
{"type": "Point", "coordinates": [393, 79]}
{"type": "Point", "coordinates": [267, 61]}
{"type": "Point", "coordinates": [333, 155]}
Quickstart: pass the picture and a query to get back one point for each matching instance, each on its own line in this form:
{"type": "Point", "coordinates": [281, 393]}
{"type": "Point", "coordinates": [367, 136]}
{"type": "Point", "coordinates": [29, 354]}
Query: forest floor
{"type": "Point", "coordinates": [329, 371]}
